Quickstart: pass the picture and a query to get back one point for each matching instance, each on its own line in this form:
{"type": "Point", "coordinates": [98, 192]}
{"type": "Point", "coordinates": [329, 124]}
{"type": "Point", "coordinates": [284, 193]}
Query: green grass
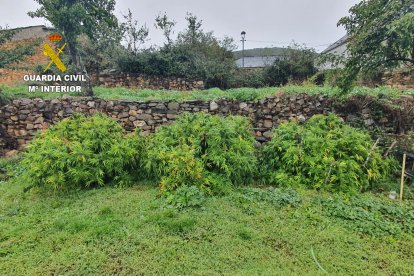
{"type": "Point", "coordinates": [121, 93]}
{"type": "Point", "coordinates": [125, 231]}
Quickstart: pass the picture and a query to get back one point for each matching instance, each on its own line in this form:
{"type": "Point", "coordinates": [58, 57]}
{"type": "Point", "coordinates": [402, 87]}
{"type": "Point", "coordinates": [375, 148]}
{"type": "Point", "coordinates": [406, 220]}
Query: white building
{"type": "Point", "coordinates": [338, 48]}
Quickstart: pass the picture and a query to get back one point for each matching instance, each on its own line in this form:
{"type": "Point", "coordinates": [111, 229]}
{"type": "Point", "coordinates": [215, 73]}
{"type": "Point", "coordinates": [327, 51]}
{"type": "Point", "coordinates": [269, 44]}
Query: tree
{"type": "Point", "coordinates": [194, 54]}
{"type": "Point", "coordinates": [72, 18]}
{"type": "Point", "coordinates": [200, 55]}
{"type": "Point", "coordinates": [134, 35]}
{"type": "Point", "coordinates": [193, 33]}
{"type": "Point", "coordinates": [166, 25]}
{"type": "Point", "coordinates": [296, 64]}
{"type": "Point", "coordinates": [381, 37]}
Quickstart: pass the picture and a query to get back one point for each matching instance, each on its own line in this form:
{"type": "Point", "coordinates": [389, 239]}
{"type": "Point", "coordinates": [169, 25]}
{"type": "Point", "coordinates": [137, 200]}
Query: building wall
{"type": "Point", "coordinates": [32, 32]}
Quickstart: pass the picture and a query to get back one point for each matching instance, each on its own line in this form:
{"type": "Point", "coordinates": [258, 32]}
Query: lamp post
{"type": "Point", "coordinates": [243, 35]}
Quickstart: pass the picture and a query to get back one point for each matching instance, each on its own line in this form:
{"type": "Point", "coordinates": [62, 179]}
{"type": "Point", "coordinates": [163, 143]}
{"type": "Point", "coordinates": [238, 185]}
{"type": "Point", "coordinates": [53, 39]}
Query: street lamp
{"type": "Point", "coordinates": [243, 35]}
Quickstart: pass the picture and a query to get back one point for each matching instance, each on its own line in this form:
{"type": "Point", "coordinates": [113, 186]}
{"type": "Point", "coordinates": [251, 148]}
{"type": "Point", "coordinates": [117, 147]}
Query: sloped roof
{"type": "Point", "coordinates": [337, 44]}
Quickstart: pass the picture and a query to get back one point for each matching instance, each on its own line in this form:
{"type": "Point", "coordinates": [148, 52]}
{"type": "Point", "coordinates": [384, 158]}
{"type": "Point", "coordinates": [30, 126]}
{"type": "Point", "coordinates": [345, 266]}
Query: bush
{"type": "Point", "coordinates": [277, 197]}
{"type": "Point", "coordinates": [194, 55]}
{"type": "Point", "coordinates": [82, 152]}
{"type": "Point", "coordinates": [297, 65]}
{"type": "Point", "coordinates": [9, 167]}
{"type": "Point", "coordinates": [251, 78]}
{"type": "Point", "coordinates": [324, 154]}
{"type": "Point", "coordinates": [186, 196]}
{"type": "Point", "coordinates": [209, 152]}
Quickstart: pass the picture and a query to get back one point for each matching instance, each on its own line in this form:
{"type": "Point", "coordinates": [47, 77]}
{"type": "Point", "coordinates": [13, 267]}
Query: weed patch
{"type": "Point", "coordinates": [371, 216]}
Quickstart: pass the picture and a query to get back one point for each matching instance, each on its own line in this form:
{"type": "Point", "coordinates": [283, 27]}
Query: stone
{"type": "Point", "coordinates": [68, 110]}
{"type": "Point", "coordinates": [171, 116]}
{"type": "Point", "coordinates": [213, 106]}
{"type": "Point", "coordinates": [11, 153]}
{"type": "Point", "coordinates": [139, 123]}
{"type": "Point", "coordinates": [242, 105]}
{"type": "Point", "coordinates": [261, 139]}
{"type": "Point", "coordinates": [40, 104]}
{"type": "Point", "coordinates": [22, 132]}
{"type": "Point", "coordinates": [301, 118]}
{"type": "Point", "coordinates": [173, 106]}
{"type": "Point", "coordinates": [133, 113]}
{"type": "Point", "coordinates": [123, 115]}
{"type": "Point", "coordinates": [267, 134]}
{"type": "Point", "coordinates": [200, 84]}
{"type": "Point", "coordinates": [144, 117]}
{"type": "Point", "coordinates": [160, 106]}
{"type": "Point", "coordinates": [268, 124]}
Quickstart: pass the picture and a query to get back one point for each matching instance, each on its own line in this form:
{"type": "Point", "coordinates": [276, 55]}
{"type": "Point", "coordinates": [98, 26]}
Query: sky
{"type": "Point", "coordinates": [267, 23]}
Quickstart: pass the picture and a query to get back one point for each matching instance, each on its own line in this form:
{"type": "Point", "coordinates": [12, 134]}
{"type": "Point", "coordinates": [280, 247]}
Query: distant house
{"type": "Point", "coordinates": [259, 57]}
{"type": "Point", "coordinates": [339, 48]}
{"type": "Point", "coordinates": [256, 62]}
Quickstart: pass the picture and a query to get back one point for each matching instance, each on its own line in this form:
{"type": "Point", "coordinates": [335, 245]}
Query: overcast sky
{"type": "Point", "coordinates": [267, 22]}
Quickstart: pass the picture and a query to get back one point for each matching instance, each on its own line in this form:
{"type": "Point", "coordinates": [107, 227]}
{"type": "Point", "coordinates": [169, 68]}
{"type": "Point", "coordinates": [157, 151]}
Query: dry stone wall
{"type": "Point", "coordinates": [399, 80]}
{"type": "Point", "coordinates": [112, 78]}
{"type": "Point", "coordinates": [22, 118]}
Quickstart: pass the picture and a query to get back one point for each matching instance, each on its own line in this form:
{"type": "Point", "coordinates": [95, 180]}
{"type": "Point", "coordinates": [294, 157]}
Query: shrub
{"type": "Point", "coordinates": [244, 78]}
{"type": "Point", "coordinates": [297, 64]}
{"type": "Point", "coordinates": [210, 152]}
{"type": "Point", "coordinates": [82, 152]}
{"type": "Point", "coordinates": [9, 167]}
{"type": "Point", "coordinates": [324, 153]}
{"type": "Point", "coordinates": [194, 55]}
{"type": "Point", "coordinates": [277, 197]}
{"type": "Point", "coordinates": [186, 196]}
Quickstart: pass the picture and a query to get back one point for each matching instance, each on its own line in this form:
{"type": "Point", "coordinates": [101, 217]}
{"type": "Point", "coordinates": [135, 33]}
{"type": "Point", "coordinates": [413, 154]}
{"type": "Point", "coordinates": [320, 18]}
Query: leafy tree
{"type": "Point", "coordinates": [296, 64]}
{"type": "Point", "coordinates": [166, 25]}
{"type": "Point", "coordinates": [75, 17]}
{"type": "Point", "coordinates": [200, 55]}
{"type": "Point", "coordinates": [193, 33]}
{"type": "Point", "coordinates": [381, 37]}
{"type": "Point", "coordinates": [195, 54]}
{"type": "Point", "coordinates": [135, 35]}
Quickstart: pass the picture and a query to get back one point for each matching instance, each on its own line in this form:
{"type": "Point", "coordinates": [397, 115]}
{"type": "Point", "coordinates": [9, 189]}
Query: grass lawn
{"type": "Point", "coordinates": [125, 231]}
{"type": "Point", "coordinates": [121, 93]}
